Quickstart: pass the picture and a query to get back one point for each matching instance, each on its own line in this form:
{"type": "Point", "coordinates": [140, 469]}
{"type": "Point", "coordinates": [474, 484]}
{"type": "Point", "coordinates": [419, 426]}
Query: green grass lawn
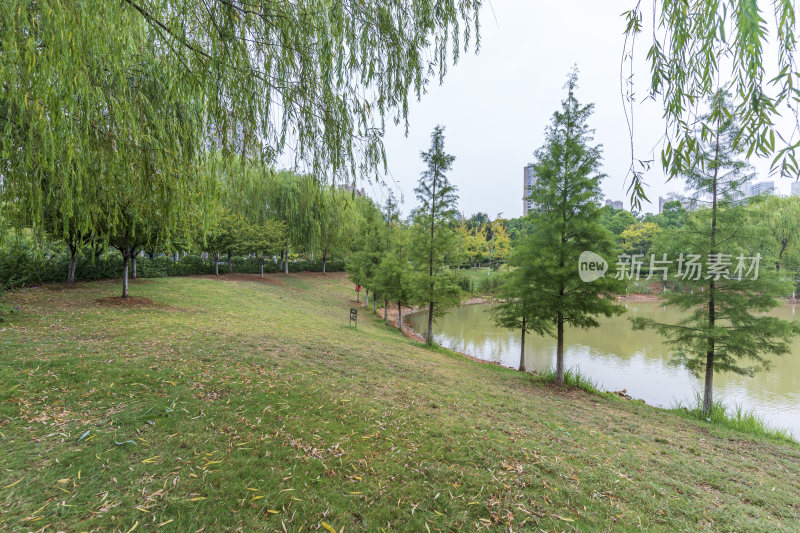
{"type": "Point", "coordinates": [254, 406]}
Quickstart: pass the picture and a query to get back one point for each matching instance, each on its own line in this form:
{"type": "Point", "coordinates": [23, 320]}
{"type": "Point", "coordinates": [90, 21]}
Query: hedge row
{"type": "Point", "coordinates": [21, 267]}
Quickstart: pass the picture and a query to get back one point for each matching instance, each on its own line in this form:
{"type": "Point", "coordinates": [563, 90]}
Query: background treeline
{"type": "Point", "coordinates": [256, 220]}
{"type": "Point", "coordinates": [425, 259]}
{"type": "Point", "coordinates": [259, 221]}
{"type": "Point", "coordinates": [654, 234]}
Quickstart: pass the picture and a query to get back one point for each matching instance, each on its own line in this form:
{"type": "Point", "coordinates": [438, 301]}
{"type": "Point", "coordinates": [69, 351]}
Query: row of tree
{"type": "Point", "coordinates": [725, 326]}
{"type": "Point", "coordinates": [414, 261]}
{"type": "Point", "coordinates": [255, 212]}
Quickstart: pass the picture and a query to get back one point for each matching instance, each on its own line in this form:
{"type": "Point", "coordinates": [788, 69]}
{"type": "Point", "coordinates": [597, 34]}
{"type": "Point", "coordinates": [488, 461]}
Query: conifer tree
{"type": "Point", "coordinates": [725, 325]}
{"type": "Point", "coordinates": [565, 223]}
{"type": "Point", "coordinates": [434, 238]}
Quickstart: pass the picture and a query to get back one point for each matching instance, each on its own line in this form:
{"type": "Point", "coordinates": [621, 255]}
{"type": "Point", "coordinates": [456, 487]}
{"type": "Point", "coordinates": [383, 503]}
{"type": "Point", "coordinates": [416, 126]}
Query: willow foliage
{"type": "Point", "coordinates": [698, 47]}
{"type": "Point", "coordinates": [317, 78]}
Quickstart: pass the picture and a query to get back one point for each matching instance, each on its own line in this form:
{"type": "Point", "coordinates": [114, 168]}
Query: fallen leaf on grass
{"type": "Point", "coordinates": [12, 484]}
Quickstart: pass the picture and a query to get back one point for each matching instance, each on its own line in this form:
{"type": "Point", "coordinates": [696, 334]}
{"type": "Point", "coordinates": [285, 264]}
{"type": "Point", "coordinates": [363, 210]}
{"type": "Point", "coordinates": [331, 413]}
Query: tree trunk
{"type": "Point", "coordinates": [262, 267]}
{"type": "Point", "coordinates": [280, 267]}
{"type": "Point", "coordinates": [366, 299]}
{"type": "Point", "coordinates": [708, 400]}
{"type": "Point", "coordinates": [399, 316]}
{"type": "Point", "coordinates": [230, 265]}
{"type": "Point", "coordinates": [374, 304]}
{"type": "Point", "coordinates": [125, 261]}
{"type": "Point", "coordinates": [560, 350]}
{"type": "Point", "coordinates": [429, 336]}
{"type": "Point", "coordinates": [216, 265]}
{"type": "Point", "coordinates": [73, 262]}
{"type": "Point", "coordinates": [324, 261]}
{"type": "Point", "coordinates": [286, 261]}
{"type": "Point", "coordinates": [386, 310]}
{"type": "Point", "coordinates": [522, 349]}
{"type": "Point", "coordinates": [358, 296]}
{"type": "Point", "coordinates": [133, 265]}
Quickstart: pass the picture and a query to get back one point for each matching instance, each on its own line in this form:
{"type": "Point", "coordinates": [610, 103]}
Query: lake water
{"type": "Point", "coordinates": [616, 357]}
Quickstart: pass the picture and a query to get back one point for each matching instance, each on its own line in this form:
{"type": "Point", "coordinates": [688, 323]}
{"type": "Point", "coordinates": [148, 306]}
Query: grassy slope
{"type": "Point", "coordinates": [255, 406]}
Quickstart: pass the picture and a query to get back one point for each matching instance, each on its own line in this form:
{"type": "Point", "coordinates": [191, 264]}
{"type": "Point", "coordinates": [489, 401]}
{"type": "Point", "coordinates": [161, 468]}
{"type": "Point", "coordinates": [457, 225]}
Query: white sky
{"type": "Point", "coordinates": [496, 104]}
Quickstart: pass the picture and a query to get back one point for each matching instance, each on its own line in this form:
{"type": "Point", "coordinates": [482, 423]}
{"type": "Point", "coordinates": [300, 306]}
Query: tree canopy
{"type": "Point", "coordinates": [698, 48]}
{"type": "Point", "coordinates": [564, 225]}
{"type": "Point", "coordinates": [434, 245]}
{"type": "Point", "coordinates": [318, 78]}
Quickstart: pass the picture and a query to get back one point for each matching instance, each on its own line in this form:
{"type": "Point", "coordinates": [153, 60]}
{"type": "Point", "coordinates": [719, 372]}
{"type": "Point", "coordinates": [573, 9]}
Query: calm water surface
{"type": "Point", "coordinates": [617, 358]}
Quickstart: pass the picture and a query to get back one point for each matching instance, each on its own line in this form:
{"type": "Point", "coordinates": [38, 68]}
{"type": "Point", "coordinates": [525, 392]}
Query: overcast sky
{"type": "Point", "coordinates": [496, 104]}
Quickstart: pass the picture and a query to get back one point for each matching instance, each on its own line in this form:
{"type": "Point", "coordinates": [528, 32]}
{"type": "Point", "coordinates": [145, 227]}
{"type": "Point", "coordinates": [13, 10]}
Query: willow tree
{"type": "Point", "coordinates": [291, 200]}
{"type": "Point", "coordinates": [782, 216]}
{"type": "Point", "coordinates": [263, 240]}
{"type": "Point", "coordinates": [693, 48]}
{"type": "Point", "coordinates": [318, 80]}
{"type": "Point", "coordinates": [337, 219]}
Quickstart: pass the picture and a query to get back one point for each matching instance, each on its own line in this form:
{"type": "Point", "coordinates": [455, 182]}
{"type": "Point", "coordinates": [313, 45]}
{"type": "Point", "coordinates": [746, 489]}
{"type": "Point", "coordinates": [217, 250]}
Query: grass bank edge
{"type": "Point", "coordinates": [737, 420]}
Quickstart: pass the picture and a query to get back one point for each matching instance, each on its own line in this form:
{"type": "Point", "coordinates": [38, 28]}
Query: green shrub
{"type": "Point", "coordinates": [464, 283]}
{"type": "Point", "coordinates": [738, 419]}
{"type": "Point", "coordinates": [572, 378]}
{"type": "Point", "coordinates": [22, 264]}
{"type": "Point", "coordinates": [489, 284]}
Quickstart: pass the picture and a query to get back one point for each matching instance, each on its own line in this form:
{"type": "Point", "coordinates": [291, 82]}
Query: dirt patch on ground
{"type": "Point", "coordinates": [411, 334]}
{"type": "Point", "coordinates": [131, 301]}
{"type": "Point", "coordinates": [273, 278]}
{"type": "Point", "coordinates": [268, 278]}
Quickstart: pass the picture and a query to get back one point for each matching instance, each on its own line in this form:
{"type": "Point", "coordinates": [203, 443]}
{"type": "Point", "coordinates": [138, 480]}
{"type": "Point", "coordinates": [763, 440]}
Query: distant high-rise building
{"type": "Point", "coordinates": [762, 187]}
{"type": "Point", "coordinates": [528, 179]}
{"type": "Point", "coordinates": [796, 188]}
{"type": "Point", "coordinates": [351, 188]}
{"type": "Point", "coordinates": [689, 203]}
{"type": "Point", "coordinates": [614, 204]}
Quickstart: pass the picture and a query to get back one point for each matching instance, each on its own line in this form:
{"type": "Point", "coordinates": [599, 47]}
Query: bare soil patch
{"type": "Point", "coordinates": [273, 278]}
{"type": "Point", "coordinates": [131, 301]}
{"type": "Point", "coordinates": [238, 277]}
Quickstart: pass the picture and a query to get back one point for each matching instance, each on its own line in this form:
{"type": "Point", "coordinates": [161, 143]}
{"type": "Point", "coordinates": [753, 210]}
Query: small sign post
{"type": "Point", "coordinates": [354, 316]}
